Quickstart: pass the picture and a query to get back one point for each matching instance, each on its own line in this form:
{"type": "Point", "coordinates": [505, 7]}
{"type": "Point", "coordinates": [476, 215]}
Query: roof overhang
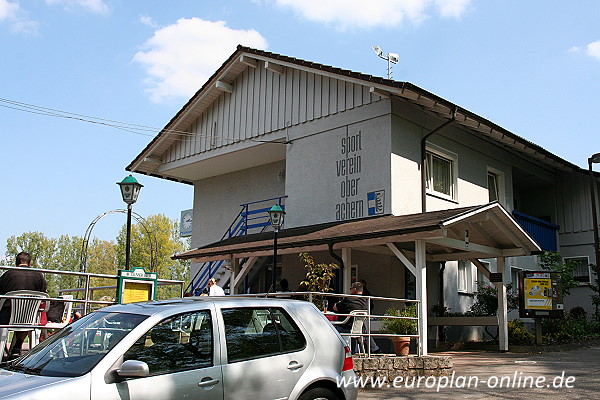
{"type": "Point", "coordinates": [486, 231]}
{"type": "Point", "coordinates": [149, 160]}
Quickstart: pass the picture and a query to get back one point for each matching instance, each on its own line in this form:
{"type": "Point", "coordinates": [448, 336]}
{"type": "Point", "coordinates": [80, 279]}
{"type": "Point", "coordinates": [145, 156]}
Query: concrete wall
{"type": "Point", "coordinates": [332, 165]}
{"type": "Point", "coordinates": [217, 200]}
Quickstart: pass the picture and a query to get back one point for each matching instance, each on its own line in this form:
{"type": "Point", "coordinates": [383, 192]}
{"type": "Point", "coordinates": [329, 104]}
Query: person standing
{"type": "Point", "coordinates": [24, 279]}
{"type": "Point", "coordinates": [214, 289]}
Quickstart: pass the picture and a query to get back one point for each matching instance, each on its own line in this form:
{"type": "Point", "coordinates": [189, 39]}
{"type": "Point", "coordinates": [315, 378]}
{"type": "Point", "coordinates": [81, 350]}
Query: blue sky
{"type": "Point", "coordinates": [532, 67]}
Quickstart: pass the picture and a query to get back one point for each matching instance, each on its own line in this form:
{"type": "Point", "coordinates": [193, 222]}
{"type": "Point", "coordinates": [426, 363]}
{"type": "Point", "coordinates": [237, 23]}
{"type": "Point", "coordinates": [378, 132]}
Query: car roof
{"type": "Point", "coordinates": [189, 303]}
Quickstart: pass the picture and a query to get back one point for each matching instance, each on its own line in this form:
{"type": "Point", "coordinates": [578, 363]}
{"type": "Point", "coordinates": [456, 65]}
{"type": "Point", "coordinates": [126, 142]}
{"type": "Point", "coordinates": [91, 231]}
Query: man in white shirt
{"type": "Point", "coordinates": [214, 289]}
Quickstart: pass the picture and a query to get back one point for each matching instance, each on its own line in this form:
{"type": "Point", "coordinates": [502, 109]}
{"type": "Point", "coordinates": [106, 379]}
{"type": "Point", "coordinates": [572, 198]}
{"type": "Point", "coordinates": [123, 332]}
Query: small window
{"type": "Point", "coordinates": [441, 176]}
{"type": "Point", "coordinates": [466, 281]}
{"type": "Point", "coordinates": [514, 277]}
{"type": "Point", "coordinates": [493, 190]}
{"type": "Point", "coordinates": [582, 271]}
{"type": "Point", "coordinates": [260, 332]}
{"type": "Point", "coordinates": [177, 343]}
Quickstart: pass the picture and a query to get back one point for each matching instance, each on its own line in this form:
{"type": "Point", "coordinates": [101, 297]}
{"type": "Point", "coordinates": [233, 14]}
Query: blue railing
{"type": "Point", "coordinates": [543, 232]}
{"type": "Point", "coordinates": [252, 218]}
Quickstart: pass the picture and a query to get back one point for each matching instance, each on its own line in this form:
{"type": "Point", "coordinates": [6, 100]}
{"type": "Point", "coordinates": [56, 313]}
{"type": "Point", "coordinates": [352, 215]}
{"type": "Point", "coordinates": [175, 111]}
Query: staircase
{"type": "Point", "coordinates": [252, 218]}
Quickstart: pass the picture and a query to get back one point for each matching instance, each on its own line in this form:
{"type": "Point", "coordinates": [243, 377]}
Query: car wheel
{"type": "Point", "coordinates": [319, 394]}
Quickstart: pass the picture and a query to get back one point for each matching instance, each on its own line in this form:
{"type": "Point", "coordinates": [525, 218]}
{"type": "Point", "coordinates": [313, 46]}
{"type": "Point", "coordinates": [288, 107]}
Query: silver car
{"type": "Point", "coordinates": [198, 348]}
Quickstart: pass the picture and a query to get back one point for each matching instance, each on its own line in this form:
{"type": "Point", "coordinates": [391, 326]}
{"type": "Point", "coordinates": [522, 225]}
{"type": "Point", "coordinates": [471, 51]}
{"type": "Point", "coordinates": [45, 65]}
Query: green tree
{"type": "Point", "coordinates": [102, 259]}
{"type": "Point", "coordinates": [37, 244]}
{"type": "Point", "coordinates": [553, 261]}
{"type": "Point", "coordinates": [153, 242]}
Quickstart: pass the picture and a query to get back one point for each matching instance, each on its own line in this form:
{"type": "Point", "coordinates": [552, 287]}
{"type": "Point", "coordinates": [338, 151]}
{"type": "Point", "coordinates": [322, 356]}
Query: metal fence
{"type": "Point", "coordinates": [86, 301]}
{"type": "Point", "coordinates": [373, 320]}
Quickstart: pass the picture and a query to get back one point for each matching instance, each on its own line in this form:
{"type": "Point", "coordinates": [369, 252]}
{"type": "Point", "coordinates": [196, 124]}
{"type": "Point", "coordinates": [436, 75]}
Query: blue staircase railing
{"type": "Point", "coordinates": [252, 218]}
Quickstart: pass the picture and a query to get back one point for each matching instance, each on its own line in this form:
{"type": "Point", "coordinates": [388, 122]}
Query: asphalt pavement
{"type": "Point", "coordinates": [573, 374]}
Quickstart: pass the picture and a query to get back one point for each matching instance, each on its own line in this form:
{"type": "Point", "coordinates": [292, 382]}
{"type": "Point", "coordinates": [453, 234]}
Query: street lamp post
{"type": "Point", "coordinates": [592, 160]}
{"type": "Point", "coordinates": [276, 215]}
{"type": "Point", "coordinates": [130, 189]}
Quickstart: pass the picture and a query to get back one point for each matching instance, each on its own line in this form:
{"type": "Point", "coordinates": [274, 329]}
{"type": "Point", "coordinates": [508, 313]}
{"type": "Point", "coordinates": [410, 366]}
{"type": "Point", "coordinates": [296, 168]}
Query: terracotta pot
{"type": "Point", "coordinates": [401, 345]}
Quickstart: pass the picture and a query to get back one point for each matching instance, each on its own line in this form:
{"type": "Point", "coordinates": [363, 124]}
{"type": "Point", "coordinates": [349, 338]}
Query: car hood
{"type": "Point", "coordinates": [13, 383]}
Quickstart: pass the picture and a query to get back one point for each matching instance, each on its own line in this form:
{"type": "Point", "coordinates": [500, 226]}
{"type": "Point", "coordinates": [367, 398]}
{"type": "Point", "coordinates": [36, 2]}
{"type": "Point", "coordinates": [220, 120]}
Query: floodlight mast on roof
{"type": "Point", "coordinates": [594, 159]}
{"type": "Point", "coordinates": [130, 190]}
{"type": "Point", "coordinates": [391, 58]}
{"type": "Point", "coordinates": [276, 215]}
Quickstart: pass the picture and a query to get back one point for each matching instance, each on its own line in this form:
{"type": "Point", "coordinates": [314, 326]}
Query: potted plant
{"type": "Point", "coordinates": [401, 326]}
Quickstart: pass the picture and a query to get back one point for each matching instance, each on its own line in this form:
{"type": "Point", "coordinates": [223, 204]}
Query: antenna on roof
{"type": "Point", "coordinates": [391, 58]}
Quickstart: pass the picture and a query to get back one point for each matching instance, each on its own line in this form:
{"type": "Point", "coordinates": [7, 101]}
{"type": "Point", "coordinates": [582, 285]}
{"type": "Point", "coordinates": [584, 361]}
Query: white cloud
{"type": "Point", "coordinates": [593, 49]}
{"type": "Point", "coordinates": [179, 58]}
{"type": "Point", "coordinates": [360, 13]}
{"type": "Point", "coordinates": [148, 21]}
{"type": "Point", "coordinates": [12, 14]}
{"type": "Point", "coordinates": [93, 6]}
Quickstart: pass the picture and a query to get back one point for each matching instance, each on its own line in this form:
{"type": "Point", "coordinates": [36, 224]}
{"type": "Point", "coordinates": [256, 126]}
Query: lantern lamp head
{"type": "Point", "coordinates": [276, 215]}
{"type": "Point", "coordinates": [130, 189]}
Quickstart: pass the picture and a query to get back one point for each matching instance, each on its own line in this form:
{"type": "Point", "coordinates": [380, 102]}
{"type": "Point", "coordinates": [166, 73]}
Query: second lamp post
{"type": "Point", "coordinates": [276, 215]}
{"type": "Point", "coordinates": [130, 189]}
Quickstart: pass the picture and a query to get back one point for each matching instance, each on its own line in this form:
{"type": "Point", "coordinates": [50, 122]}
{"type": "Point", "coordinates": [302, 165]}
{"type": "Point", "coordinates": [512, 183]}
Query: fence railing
{"type": "Point", "coordinates": [373, 321]}
{"type": "Point", "coordinates": [87, 290]}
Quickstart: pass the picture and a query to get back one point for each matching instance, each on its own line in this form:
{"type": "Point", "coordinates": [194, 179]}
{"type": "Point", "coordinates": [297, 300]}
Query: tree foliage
{"type": "Point", "coordinates": [64, 253]}
{"type": "Point", "coordinates": [553, 261]}
{"type": "Point", "coordinates": [153, 242]}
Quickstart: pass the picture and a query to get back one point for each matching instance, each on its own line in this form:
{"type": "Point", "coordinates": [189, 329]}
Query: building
{"type": "Point", "coordinates": [403, 188]}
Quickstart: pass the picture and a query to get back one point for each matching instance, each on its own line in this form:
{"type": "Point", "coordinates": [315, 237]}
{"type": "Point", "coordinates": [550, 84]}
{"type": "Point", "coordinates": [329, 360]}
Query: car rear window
{"type": "Point", "coordinates": [260, 332]}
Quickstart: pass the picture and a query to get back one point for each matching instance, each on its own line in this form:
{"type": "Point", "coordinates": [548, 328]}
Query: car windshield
{"type": "Point", "coordinates": [76, 349]}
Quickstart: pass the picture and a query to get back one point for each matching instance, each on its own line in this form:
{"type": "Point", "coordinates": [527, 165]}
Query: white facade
{"type": "Point", "coordinates": [341, 146]}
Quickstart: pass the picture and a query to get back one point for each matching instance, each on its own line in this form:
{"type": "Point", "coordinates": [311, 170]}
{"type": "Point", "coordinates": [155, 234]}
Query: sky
{"type": "Point", "coordinates": [86, 84]}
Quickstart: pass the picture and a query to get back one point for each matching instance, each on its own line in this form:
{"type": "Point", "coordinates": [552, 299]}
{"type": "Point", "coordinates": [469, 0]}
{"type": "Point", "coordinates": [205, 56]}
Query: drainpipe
{"type": "Point", "coordinates": [340, 260]}
{"type": "Point", "coordinates": [441, 332]}
{"type": "Point", "coordinates": [424, 159]}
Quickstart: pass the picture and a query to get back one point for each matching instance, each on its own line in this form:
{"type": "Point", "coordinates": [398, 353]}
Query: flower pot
{"type": "Point", "coordinates": [401, 345]}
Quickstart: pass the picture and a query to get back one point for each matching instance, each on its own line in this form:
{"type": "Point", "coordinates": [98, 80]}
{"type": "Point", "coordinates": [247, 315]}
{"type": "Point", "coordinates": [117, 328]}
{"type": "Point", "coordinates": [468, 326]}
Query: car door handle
{"type": "Point", "coordinates": [294, 365]}
{"type": "Point", "coordinates": [209, 382]}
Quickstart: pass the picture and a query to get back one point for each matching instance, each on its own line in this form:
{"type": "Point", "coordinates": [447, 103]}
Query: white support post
{"type": "Point", "coordinates": [502, 305]}
{"type": "Point", "coordinates": [234, 268]}
{"type": "Point", "coordinates": [421, 275]}
{"type": "Point", "coordinates": [347, 272]}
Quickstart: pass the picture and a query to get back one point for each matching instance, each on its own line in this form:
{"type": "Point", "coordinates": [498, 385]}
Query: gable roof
{"type": "Point", "coordinates": [243, 57]}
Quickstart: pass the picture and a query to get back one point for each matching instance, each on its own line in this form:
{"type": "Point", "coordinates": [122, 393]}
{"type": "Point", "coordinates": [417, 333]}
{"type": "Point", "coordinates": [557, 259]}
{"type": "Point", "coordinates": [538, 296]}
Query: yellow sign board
{"type": "Point", "coordinates": [134, 292]}
{"type": "Point", "coordinates": [538, 293]}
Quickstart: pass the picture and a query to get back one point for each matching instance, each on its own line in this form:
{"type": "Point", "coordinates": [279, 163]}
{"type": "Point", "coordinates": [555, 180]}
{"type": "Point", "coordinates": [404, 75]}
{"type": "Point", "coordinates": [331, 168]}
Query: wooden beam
{"type": "Point", "coordinates": [251, 62]}
{"type": "Point", "coordinates": [244, 271]}
{"type": "Point", "coordinates": [226, 87]}
{"type": "Point", "coordinates": [410, 266]}
{"type": "Point", "coordinates": [276, 68]}
{"type": "Point", "coordinates": [467, 246]}
{"type": "Point", "coordinates": [379, 92]}
{"type": "Point", "coordinates": [482, 268]}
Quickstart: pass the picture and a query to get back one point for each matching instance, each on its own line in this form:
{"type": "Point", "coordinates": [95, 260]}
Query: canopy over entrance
{"type": "Point", "coordinates": [470, 233]}
{"type": "Point", "coordinates": [486, 231]}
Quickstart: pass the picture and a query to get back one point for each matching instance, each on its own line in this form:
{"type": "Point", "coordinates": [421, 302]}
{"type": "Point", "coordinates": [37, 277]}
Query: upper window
{"type": "Point", "coordinates": [495, 186]}
{"type": "Point", "coordinates": [259, 332]}
{"type": "Point", "coordinates": [582, 272]}
{"type": "Point", "coordinates": [466, 278]}
{"type": "Point", "coordinates": [441, 173]}
{"type": "Point", "coordinates": [177, 343]}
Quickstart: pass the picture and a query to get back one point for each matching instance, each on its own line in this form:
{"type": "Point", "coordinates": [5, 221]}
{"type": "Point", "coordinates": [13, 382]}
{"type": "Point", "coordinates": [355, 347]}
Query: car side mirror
{"type": "Point", "coordinates": [133, 369]}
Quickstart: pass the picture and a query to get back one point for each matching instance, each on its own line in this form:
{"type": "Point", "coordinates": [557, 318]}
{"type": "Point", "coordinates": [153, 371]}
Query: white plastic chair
{"type": "Point", "coordinates": [356, 332]}
{"type": "Point", "coordinates": [23, 311]}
